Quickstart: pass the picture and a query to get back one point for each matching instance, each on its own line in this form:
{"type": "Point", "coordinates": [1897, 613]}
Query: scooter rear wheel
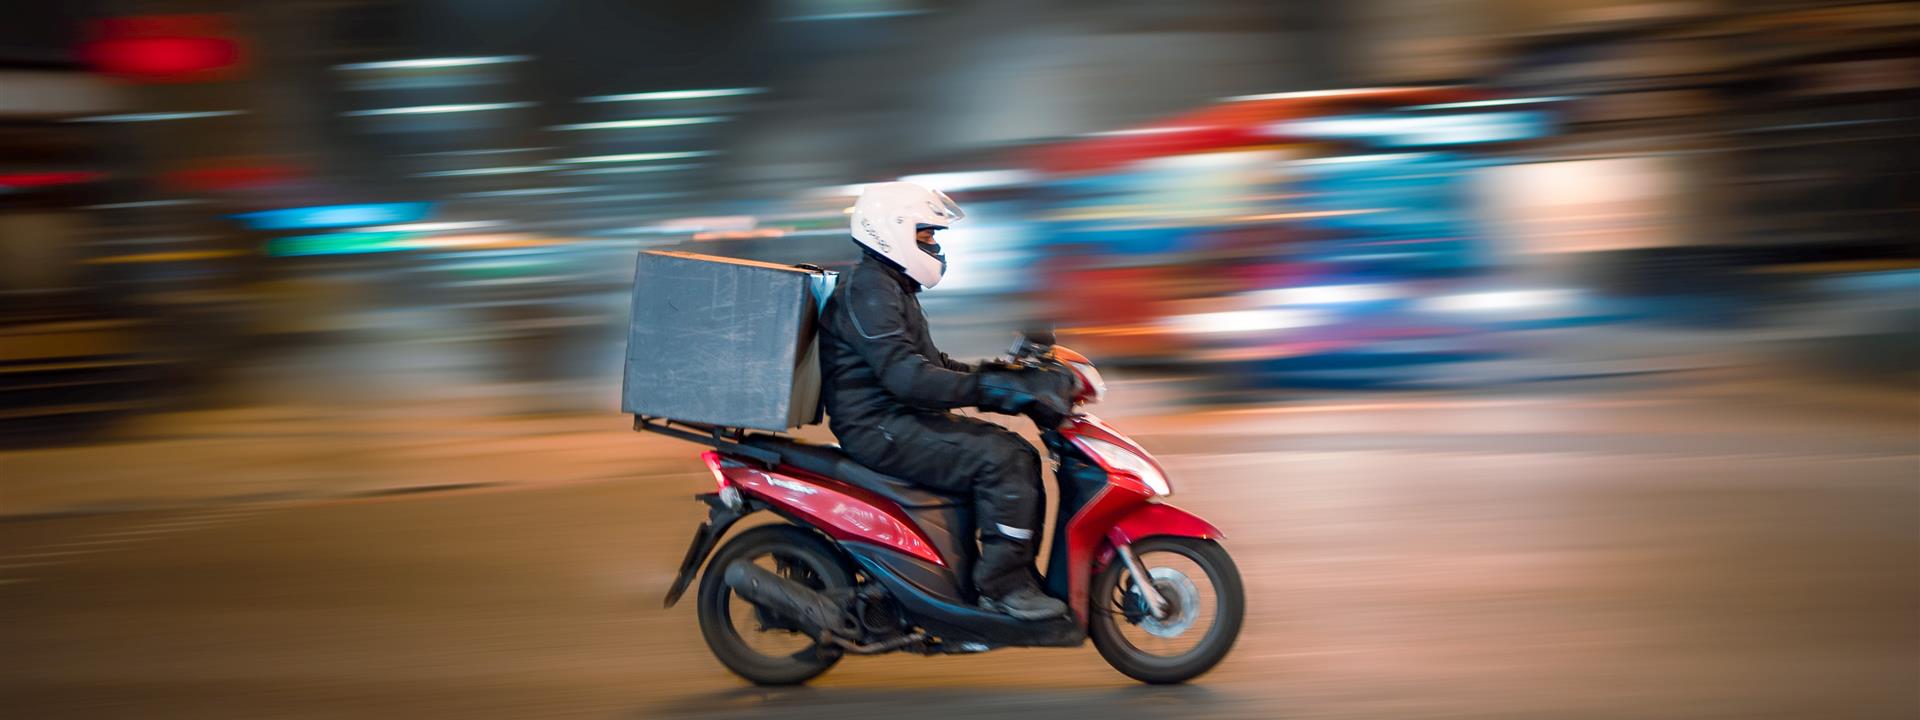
{"type": "Point", "coordinates": [799, 555]}
{"type": "Point", "coordinates": [1203, 619]}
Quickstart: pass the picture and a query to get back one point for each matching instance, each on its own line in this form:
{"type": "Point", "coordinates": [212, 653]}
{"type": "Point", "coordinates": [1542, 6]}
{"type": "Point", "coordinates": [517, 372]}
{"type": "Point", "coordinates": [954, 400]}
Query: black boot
{"type": "Point", "coordinates": [1025, 603]}
{"type": "Point", "coordinates": [1005, 576]}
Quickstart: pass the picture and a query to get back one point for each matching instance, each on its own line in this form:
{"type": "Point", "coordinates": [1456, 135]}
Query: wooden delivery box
{"type": "Point", "coordinates": [723, 342]}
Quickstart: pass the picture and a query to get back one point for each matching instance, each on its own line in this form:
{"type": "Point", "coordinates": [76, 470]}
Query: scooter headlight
{"type": "Point", "coordinates": [1127, 461]}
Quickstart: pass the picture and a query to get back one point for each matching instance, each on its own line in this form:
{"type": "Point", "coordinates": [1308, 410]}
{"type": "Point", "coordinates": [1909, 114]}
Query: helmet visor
{"type": "Point", "coordinates": [943, 211]}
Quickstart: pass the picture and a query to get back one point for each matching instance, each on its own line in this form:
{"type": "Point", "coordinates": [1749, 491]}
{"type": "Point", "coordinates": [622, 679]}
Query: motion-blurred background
{"type": "Point", "coordinates": [433, 198]}
{"type": "Point", "coordinates": [255, 252]}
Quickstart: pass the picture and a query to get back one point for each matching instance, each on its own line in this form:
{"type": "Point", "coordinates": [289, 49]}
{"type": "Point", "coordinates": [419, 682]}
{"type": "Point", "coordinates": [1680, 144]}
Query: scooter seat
{"type": "Point", "coordinates": [832, 462]}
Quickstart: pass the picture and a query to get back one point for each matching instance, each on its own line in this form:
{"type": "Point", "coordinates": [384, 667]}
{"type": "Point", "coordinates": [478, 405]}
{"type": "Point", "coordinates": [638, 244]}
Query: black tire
{"type": "Point", "coordinates": [821, 567]}
{"type": "Point", "coordinates": [1230, 602]}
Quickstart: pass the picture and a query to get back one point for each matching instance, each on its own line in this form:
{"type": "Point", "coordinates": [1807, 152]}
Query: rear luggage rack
{"type": "Point", "coordinates": [724, 439]}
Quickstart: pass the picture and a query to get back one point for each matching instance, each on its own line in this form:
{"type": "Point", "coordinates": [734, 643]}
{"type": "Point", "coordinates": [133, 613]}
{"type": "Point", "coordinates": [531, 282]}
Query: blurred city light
{"type": "Point", "coordinates": [143, 204]}
{"type": "Point", "coordinates": [425, 227]}
{"type": "Point", "coordinates": [502, 170]}
{"type": "Point", "coordinates": [336, 216]}
{"type": "Point", "coordinates": [674, 95]}
{"type": "Point", "coordinates": [674, 167]}
{"type": "Point", "coordinates": [1328, 294]}
{"type": "Point", "coordinates": [434, 63]}
{"type": "Point", "coordinates": [159, 116]}
{"type": "Point", "coordinates": [523, 192]}
{"type": "Point", "coordinates": [973, 180]}
{"type": "Point", "coordinates": [639, 157]}
{"type": "Point", "coordinates": [1134, 132]}
{"type": "Point", "coordinates": [24, 180]}
{"type": "Point", "coordinates": [1246, 321]}
{"type": "Point", "coordinates": [621, 197]}
{"type": "Point", "coordinates": [641, 123]}
{"type": "Point", "coordinates": [853, 15]}
{"type": "Point", "coordinates": [481, 151]}
{"type": "Point", "coordinates": [1402, 131]}
{"type": "Point", "coordinates": [1502, 300]}
{"type": "Point", "coordinates": [186, 48]}
{"type": "Point", "coordinates": [343, 243]}
{"type": "Point", "coordinates": [438, 109]}
{"type": "Point", "coordinates": [1499, 102]}
{"type": "Point", "coordinates": [1318, 94]}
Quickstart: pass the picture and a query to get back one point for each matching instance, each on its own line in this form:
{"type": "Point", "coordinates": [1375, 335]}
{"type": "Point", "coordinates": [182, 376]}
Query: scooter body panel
{"type": "Point", "coordinates": [923, 556]}
{"type": "Point", "coordinates": [845, 513]}
{"type": "Point", "coordinates": [930, 598]}
{"type": "Point", "coordinates": [1155, 519]}
{"type": "Point", "coordinates": [1086, 532]}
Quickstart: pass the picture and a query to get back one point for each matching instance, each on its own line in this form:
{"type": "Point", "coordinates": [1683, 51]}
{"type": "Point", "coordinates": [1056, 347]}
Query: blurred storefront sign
{"type": "Point", "coordinates": [29, 180]}
{"type": "Point", "coordinates": [164, 48]}
{"type": "Point", "coordinates": [229, 176]}
{"type": "Point", "coordinates": [1386, 130]}
{"type": "Point", "coordinates": [344, 243]}
{"type": "Point", "coordinates": [1580, 206]}
{"type": "Point", "coordinates": [336, 216]}
{"type": "Point", "coordinates": [723, 223]}
{"type": "Point", "coordinates": [47, 94]}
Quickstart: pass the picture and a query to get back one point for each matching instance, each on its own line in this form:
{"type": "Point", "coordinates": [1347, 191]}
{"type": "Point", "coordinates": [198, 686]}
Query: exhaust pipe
{"type": "Point", "coordinates": [819, 616]}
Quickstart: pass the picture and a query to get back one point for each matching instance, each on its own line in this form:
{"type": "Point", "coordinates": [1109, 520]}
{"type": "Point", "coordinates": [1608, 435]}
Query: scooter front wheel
{"type": "Point", "coordinates": [1205, 607]}
{"type": "Point", "coordinates": [755, 644]}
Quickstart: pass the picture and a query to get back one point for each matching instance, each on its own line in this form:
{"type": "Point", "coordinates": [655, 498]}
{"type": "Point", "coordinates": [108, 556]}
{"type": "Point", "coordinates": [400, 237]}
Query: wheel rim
{"type": "Point", "coordinates": [1193, 606]}
{"type": "Point", "coordinates": [1183, 603]}
{"type": "Point", "coordinates": [765, 634]}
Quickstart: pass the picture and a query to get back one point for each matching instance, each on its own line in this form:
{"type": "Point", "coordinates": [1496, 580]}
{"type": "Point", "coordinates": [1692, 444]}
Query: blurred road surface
{"type": "Point", "coordinates": [1734, 550]}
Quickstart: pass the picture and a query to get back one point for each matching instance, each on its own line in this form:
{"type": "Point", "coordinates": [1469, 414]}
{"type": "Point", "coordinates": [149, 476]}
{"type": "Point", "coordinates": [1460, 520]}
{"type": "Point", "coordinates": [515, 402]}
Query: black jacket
{"type": "Point", "coordinates": [877, 357]}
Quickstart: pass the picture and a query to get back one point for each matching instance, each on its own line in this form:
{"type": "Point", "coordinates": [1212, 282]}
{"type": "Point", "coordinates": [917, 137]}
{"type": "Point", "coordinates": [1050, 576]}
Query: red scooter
{"type": "Point", "coordinates": [870, 564]}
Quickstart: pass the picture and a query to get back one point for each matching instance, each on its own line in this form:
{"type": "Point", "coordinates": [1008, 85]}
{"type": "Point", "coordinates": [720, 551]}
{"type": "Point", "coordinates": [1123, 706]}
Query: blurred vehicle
{"type": "Point", "coordinates": [1287, 235]}
{"type": "Point", "coordinates": [1148, 583]}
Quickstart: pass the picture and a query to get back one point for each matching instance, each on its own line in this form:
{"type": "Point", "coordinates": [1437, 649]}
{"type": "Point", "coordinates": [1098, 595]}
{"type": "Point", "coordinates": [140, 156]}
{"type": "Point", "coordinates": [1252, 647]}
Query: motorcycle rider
{"type": "Point", "coordinates": [888, 391]}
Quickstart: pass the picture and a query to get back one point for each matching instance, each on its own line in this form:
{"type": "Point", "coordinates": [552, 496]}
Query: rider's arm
{"type": "Point", "coordinates": [955, 365]}
{"type": "Point", "coordinates": [878, 313]}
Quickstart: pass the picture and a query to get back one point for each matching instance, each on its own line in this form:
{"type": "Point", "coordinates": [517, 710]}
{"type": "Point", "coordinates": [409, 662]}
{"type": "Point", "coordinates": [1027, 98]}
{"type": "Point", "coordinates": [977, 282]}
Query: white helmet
{"type": "Point", "coordinates": [887, 217]}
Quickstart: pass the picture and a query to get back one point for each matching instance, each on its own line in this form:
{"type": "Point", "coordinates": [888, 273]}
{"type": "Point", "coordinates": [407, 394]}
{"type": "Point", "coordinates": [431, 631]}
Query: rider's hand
{"type": "Point", "coordinates": [1053, 396]}
{"type": "Point", "coordinates": [1043, 393]}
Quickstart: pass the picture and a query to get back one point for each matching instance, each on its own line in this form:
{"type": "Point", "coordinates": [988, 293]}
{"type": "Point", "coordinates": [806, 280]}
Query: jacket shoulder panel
{"type": "Point", "coordinates": [874, 304]}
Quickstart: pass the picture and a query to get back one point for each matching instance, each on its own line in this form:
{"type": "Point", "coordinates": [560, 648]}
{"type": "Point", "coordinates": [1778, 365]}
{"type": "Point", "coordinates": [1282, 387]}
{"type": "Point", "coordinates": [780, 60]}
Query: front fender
{"type": "Point", "coordinates": [1160, 519]}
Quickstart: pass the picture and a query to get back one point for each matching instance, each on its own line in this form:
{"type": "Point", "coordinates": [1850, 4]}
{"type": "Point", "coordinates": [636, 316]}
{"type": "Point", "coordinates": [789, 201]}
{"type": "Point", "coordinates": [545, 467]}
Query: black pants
{"type": "Point", "coordinates": [964, 456]}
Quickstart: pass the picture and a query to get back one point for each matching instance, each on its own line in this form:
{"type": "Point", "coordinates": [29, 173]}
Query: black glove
{"type": "Point", "coordinates": [1042, 393]}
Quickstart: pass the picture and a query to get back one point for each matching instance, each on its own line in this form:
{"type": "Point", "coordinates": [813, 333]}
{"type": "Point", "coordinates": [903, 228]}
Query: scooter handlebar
{"type": "Point", "coordinates": [1032, 343]}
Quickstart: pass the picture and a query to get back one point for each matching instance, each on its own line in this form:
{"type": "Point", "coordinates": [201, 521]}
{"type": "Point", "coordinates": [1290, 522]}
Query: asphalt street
{"type": "Point", "coordinates": [1727, 550]}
